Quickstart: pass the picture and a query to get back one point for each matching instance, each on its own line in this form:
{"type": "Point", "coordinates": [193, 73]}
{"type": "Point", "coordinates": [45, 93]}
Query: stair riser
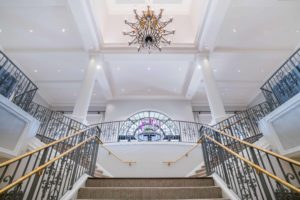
{"type": "Point", "coordinates": [149, 182]}
{"type": "Point", "coordinates": [150, 193]}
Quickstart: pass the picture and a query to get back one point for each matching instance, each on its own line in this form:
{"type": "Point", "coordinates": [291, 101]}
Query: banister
{"type": "Point", "coordinates": [256, 147]}
{"type": "Point", "coordinates": [40, 168]}
{"type": "Point", "coordinates": [257, 167]}
{"type": "Point", "coordinates": [41, 148]}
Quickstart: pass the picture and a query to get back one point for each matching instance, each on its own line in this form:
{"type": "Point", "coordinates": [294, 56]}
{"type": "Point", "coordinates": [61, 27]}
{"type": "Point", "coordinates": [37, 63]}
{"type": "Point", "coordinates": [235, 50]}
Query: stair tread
{"type": "Point", "coordinates": [164, 199]}
{"type": "Point", "coordinates": [149, 178]}
{"type": "Point", "coordinates": [150, 192]}
{"type": "Point", "coordinates": [149, 182]}
{"type": "Point", "coordinates": [154, 187]}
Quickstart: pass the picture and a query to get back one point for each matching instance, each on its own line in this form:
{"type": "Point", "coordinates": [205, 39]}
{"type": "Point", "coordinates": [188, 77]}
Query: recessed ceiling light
{"type": "Point", "coordinates": [58, 70]}
{"type": "Point", "coordinates": [98, 66]}
{"type": "Point", "coordinates": [35, 71]}
{"type": "Point", "coordinates": [234, 30]}
{"type": "Point", "coordinates": [239, 71]}
{"type": "Point", "coordinates": [297, 31]}
{"type": "Point", "coordinates": [0, 30]}
{"type": "Point", "coordinates": [179, 68]}
{"type": "Point", "coordinates": [199, 66]}
{"type": "Point", "coordinates": [82, 70]}
{"type": "Point", "coordinates": [118, 68]}
{"type": "Point", "coordinates": [30, 31]}
{"type": "Point", "coordinates": [149, 68]}
{"type": "Point", "coordinates": [63, 30]}
{"type": "Point", "coordinates": [215, 70]}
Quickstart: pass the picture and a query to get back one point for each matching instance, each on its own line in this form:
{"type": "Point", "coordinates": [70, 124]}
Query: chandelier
{"type": "Point", "coordinates": [149, 32]}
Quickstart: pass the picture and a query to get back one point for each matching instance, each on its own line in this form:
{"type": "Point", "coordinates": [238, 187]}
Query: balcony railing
{"type": "Point", "coordinates": [14, 84]}
{"type": "Point", "coordinates": [53, 125]}
{"type": "Point", "coordinates": [168, 131]}
{"type": "Point", "coordinates": [244, 125]}
{"type": "Point", "coordinates": [284, 83]}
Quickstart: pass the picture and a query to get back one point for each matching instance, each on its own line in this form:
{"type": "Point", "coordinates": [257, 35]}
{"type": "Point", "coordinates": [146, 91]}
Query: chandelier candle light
{"type": "Point", "coordinates": [149, 31]}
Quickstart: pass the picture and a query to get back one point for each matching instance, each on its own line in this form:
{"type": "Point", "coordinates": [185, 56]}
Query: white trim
{"type": "Point", "coordinates": [226, 192]}
{"type": "Point", "coordinates": [191, 173]}
{"type": "Point", "coordinates": [105, 172]}
{"type": "Point", "coordinates": [72, 194]}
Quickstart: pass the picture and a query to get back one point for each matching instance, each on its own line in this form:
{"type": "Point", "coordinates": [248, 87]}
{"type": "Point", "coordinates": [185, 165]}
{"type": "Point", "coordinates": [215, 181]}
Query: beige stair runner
{"type": "Point", "coordinates": [150, 188]}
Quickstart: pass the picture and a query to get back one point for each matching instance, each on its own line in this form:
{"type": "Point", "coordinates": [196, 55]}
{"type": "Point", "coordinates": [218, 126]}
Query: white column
{"type": "Point", "coordinates": [82, 103]}
{"type": "Point", "coordinates": [213, 95]}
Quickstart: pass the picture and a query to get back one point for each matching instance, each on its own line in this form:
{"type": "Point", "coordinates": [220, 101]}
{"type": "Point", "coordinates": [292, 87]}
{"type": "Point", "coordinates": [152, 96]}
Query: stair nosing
{"type": "Point", "coordinates": [193, 187]}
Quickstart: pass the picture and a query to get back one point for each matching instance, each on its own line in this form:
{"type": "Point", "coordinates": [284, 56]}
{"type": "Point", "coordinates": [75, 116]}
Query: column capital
{"type": "Point", "coordinates": [96, 56]}
{"type": "Point", "coordinates": [201, 56]}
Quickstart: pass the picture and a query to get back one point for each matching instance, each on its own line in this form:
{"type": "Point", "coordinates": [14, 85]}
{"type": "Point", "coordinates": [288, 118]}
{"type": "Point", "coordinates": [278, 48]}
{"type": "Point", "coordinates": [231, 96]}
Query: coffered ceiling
{"type": "Point", "coordinates": [247, 41]}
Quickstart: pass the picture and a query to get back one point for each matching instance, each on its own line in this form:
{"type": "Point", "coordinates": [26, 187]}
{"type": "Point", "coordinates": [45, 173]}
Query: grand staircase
{"type": "Point", "coordinates": [150, 188]}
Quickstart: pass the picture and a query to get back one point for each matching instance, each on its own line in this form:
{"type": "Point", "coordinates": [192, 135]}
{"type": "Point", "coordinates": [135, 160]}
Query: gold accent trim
{"type": "Point", "coordinates": [256, 147]}
{"type": "Point", "coordinates": [256, 167]}
{"type": "Point", "coordinates": [120, 159]}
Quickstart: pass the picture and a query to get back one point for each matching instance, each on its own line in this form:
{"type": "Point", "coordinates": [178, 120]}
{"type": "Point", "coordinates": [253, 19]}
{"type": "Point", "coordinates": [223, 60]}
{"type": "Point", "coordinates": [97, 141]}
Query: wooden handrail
{"type": "Point", "coordinates": [255, 166]}
{"type": "Point", "coordinates": [183, 155]}
{"type": "Point", "coordinates": [256, 147]}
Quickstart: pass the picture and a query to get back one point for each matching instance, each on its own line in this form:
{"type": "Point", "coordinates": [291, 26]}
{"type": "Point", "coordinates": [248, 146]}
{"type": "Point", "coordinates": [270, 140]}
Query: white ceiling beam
{"type": "Point", "coordinates": [82, 14]}
{"type": "Point", "coordinates": [30, 3]}
{"type": "Point", "coordinates": [217, 10]}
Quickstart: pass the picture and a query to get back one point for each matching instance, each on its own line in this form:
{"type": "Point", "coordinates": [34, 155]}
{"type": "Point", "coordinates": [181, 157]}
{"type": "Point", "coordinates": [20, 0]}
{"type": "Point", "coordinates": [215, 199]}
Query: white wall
{"type": "Point", "coordinates": [175, 109]}
{"type": "Point", "coordinates": [150, 158]}
{"type": "Point", "coordinates": [16, 128]}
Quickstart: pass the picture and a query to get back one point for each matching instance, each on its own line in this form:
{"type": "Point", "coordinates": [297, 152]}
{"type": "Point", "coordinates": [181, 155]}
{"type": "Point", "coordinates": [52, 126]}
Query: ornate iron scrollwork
{"type": "Point", "coordinates": [15, 194]}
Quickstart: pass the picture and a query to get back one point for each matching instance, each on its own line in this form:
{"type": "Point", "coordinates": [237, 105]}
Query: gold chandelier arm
{"type": "Point", "coordinates": [148, 31]}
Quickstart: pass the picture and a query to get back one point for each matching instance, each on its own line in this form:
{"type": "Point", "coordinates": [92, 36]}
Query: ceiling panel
{"type": "Point", "coordinates": [263, 24]}
{"type": "Point", "coordinates": [37, 27]}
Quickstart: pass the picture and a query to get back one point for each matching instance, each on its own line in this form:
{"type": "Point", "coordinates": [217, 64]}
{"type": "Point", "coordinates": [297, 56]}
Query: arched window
{"type": "Point", "coordinates": [149, 126]}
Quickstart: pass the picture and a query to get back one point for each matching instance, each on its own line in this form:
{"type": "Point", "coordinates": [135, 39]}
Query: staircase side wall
{"type": "Point", "coordinates": [17, 127]}
{"type": "Point", "coordinates": [282, 128]}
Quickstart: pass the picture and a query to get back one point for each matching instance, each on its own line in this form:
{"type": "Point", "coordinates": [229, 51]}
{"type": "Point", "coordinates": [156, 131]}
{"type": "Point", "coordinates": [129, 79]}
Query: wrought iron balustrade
{"type": "Point", "coordinates": [14, 84]}
{"type": "Point", "coordinates": [245, 124]}
{"type": "Point", "coordinates": [133, 130]}
{"type": "Point", "coordinates": [284, 83]}
{"type": "Point", "coordinates": [250, 171]}
{"type": "Point", "coordinates": [50, 171]}
{"type": "Point", "coordinates": [53, 125]}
